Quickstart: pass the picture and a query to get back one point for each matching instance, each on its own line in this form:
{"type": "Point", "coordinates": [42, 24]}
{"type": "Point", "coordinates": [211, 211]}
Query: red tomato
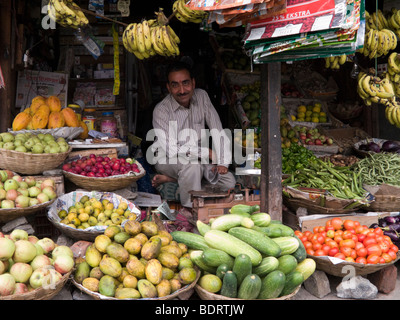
{"type": "Point", "coordinates": [384, 246]}
{"type": "Point", "coordinates": [348, 224]}
{"type": "Point", "coordinates": [362, 252]}
{"type": "Point", "coordinates": [307, 233]}
{"type": "Point", "coordinates": [378, 231]}
{"type": "Point", "coordinates": [357, 223]}
{"type": "Point", "coordinates": [307, 244]}
{"type": "Point", "coordinates": [347, 234]}
{"type": "Point", "coordinates": [321, 229]}
{"type": "Point", "coordinates": [349, 259]}
{"type": "Point", "coordinates": [338, 238]}
{"type": "Point", "coordinates": [392, 254]}
{"type": "Point", "coordinates": [337, 223]}
{"type": "Point", "coordinates": [316, 246]}
{"type": "Point", "coordinates": [359, 229]}
{"type": "Point", "coordinates": [327, 228]}
{"type": "Point", "coordinates": [361, 237]}
{"type": "Point", "coordinates": [333, 244]}
{"type": "Point", "coordinates": [347, 243]}
{"type": "Point", "coordinates": [310, 251]}
{"type": "Point", "coordinates": [347, 251]}
{"type": "Point", "coordinates": [368, 241]}
{"type": "Point", "coordinates": [373, 259]}
{"type": "Point", "coordinates": [358, 245]}
{"type": "Point", "coordinates": [340, 255]}
{"type": "Point", "coordinates": [381, 260]}
{"type": "Point", "coordinates": [325, 248]}
{"type": "Point", "coordinates": [374, 249]}
{"type": "Point", "coordinates": [330, 234]}
{"type": "Point", "coordinates": [387, 257]}
{"type": "Point", "coordinates": [333, 251]}
{"type": "Point", "coordinates": [394, 248]}
{"type": "Point", "coordinates": [319, 253]}
{"type": "Point", "coordinates": [315, 229]}
{"type": "Point", "coordinates": [303, 238]}
{"type": "Point", "coordinates": [361, 260]}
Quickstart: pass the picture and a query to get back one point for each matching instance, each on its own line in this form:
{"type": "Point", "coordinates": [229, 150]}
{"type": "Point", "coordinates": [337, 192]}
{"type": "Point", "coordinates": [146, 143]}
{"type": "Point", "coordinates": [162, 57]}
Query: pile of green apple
{"type": "Point", "coordinates": [28, 263]}
{"type": "Point", "coordinates": [33, 143]}
{"type": "Point", "coordinates": [22, 192]}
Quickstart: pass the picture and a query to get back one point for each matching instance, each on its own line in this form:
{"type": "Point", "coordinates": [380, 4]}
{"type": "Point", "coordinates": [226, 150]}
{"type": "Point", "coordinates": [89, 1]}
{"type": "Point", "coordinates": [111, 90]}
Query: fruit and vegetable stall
{"type": "Point", "coordinates": [339, 185]}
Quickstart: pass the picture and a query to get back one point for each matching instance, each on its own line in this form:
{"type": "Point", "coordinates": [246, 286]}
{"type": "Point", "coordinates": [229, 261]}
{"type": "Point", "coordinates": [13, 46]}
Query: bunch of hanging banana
{"type": "Point", "coordinates": [373, 89]}
{"type": "Point", "coordinates": [378, 42]}
{"type": "Point", "coordinates": [149, 38]}
{"type": "Point", "coordinates": [394, 71]}
{"type": "Point", "coordinates": [392, 112]}
{"type": "Point", "coordinates": [379, 20]}
{"type": "Point", "coordinates": [335, 62]}
{"type": "Point", "coordinates": [67, 14]}
{"type": "Point", "coordinates": [185, 15]}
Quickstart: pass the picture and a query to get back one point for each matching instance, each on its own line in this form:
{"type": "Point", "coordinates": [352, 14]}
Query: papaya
{"type": "Point", "coordinates": [141, 237]}
{"type": "Point", "coordinates": [56, 120]}
{"type": "Point", "coordinates": [133, 227]}
{"type": "Point", "coordinates": [54, 103]}
{"type": "Point", "coordinates": [101, 242]}
{"type": "Point", "coordinates": [153, 271]}
{"type": "Point", "coordinates": [82, 272]}
{"type": "Point", "coordinates": [27, 110]}
{"type": "Point", "coordinates": [151, 249]}
{"type": "Point", "coordinates": [133, 246]}
{"type": "Point", "coordinates": [107, 286]}
{"type": "Point", "coordinates": [172, 249]}
{"type": "Point", "coordinates": [85, 133]}
{"type": "Point", "coordinates": [71, 119]}
{"type": "Point", "coordinates": [36, 103]}
{"type": "Point", "coordinates": [21, 121]}
{"type": "Point", "coordinates": [39, 120]}
{"type": "Point", "coordinates": [149, 228]}
{"type": "Point", "coordinates": [45, 108]}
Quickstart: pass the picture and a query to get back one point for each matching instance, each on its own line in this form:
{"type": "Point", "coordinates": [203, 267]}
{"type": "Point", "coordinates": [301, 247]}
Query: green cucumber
{"type": "Point", "coordinates": [257, 240]}
{"type": "Point", "coordinates": [242, 267]}
{"type": "Point", "coordinates": [192, 240]}
{"type": "Point", "coordinates": [215, 257]}
{"type": "Point", "coordinates": [224, 241]}
{"type": "Point", "coordinates": [222, 269]}
{"type": "Point", "coordinates": [293, 280]}
{"type": "Point", "coordinates": [247, 223]}
{"type": "Point", "coordinates": [227, 221]}
{"type": "Point", "coordinates": [300, 254]}
{"type": "Point", "coordinates": [272, 285]}
{"type": "Point", "coordinates": [250, 287]}
{"type": "Point", "coordinates": [267, 265]}
{"type": "Point", "coordinates": [287, 263]}
{"type": "Point", "coordinates": [202, 227]}
{"type": "Point", "coordinates": [197, 257]}
{"type": "Point", "coordinates": [276, 222]}
{"type": "Point", "coordinates": [288, 245]}
{"type": "Point", "coordinates": [244, 209]}
{"type": "Point", "coordinates": [261, 219]}
{"type": "Point", "coordinates": [229, 285]}
{"type": "Point", "coordinates": [275, 230]}
{"type": "Point", "coordinates": [306, 267]}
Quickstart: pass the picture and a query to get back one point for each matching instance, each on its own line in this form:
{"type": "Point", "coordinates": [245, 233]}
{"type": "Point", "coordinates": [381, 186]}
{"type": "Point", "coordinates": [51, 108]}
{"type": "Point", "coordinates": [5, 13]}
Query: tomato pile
{"type": "Point", "coordinates": [349, 240]}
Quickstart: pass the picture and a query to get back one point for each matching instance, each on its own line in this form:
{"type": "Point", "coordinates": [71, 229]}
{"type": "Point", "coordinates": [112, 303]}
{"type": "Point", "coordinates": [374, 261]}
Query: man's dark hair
{"type": "Point", "coordinates": [179, 66]}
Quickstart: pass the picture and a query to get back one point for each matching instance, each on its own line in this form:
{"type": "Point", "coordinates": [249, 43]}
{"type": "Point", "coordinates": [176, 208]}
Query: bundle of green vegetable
{"type": "Point", "coordinates": [341, 182]}
{"type": "Point", "coordinates": [295, 157]}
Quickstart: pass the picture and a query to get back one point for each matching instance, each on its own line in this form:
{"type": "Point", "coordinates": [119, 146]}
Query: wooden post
{"type": "Point", "coordinates": [7, 94]}
{"type": "Point", "coordinates": [271, 157]}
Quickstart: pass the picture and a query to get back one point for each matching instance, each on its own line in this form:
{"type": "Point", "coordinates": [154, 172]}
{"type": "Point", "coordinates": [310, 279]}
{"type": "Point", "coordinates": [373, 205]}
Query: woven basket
{"type": "Point", "coordinates": [31, 163]}
{"type": "Point", "coordinates": [344, 268]}
{"type": "Point", "coordinates": [66, 200]}
{"type": "Point", "coordinates": [111, 183]}
{"type": "Point", "coordinates": [184, 293]}
{"type": "Point", "coordinates": [205, 295]}
{"type": "Point", "coordinates": [312, 208]}
{"type": "Point", "coordinates": [7, 215]}
{"type": "Point", "coordinates": [40, 293]}
{"type": "Point", "coordinates": [385, 203]}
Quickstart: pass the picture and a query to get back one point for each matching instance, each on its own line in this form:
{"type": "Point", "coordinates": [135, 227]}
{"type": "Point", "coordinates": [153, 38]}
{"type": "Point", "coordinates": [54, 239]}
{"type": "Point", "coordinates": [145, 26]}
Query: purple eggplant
{"type": "Point", "coordinates": [390, 219]}
{"type": "Point", "coordinates": [382, 223]}
{"type": "Point", "coordinates": [392, 234]}
{"type": "Point", "coordinates": [394, 227]}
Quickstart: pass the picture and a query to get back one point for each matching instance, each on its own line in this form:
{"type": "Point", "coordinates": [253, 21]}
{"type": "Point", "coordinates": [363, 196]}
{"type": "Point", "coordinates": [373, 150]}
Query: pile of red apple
{"type": "Point", "coordinates": [312, 136]}
{"type": "Point", "coordinates": [99, 166]}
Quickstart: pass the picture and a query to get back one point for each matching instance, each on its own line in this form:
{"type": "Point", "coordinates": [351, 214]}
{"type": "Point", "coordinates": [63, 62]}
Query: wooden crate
{"type": "Point", "coordinates": [104, 152]}
{"type": "Point", "coordinates": [207, 205]}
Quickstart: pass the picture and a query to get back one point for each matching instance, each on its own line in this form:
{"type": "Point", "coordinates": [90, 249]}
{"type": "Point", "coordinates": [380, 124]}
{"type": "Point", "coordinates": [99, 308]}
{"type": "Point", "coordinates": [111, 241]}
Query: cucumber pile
{"type": "Point", "coordinates": [247, 255]}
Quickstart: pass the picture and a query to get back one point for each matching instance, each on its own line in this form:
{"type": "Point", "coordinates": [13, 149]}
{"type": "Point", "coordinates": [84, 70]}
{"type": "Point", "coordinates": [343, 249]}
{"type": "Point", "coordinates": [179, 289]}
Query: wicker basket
{"type": "Point", "coordinates": [111, 183]}
{"type": "Point", "coordinates": [40, 293]}
{"type": "Point", "coordinates": [66, 200]}
{"type": "Point", "coordinates": [183, 293]}
{"type": "Point", "coordinates": [7, 215]}
{"type": "Point", "coordinates": [31, 163]}
{"type": "Point", "coordinates": [341, 269]}
{"type": "Point", "coordinates": [205, 295]}
{"type": "Point", "coordinates": [385, 203]}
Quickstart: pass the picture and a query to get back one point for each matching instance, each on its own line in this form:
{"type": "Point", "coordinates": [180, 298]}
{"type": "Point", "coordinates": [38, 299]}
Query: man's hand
{"type": "Point", "coordinates": [220, 169]}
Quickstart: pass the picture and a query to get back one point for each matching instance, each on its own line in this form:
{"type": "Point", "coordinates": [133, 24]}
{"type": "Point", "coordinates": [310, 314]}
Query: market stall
{"type": "Point", "coordinates": [317, 196]}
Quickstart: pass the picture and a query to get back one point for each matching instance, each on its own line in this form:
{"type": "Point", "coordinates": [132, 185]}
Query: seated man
{"type": "Point", "coordinates": [179, 121]}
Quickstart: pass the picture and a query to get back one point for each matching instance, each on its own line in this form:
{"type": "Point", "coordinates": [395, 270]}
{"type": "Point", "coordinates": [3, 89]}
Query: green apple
{"type": "Point", "coordinates": [37, 148]}
{"type": "Point", "coordinates": [9, 145]}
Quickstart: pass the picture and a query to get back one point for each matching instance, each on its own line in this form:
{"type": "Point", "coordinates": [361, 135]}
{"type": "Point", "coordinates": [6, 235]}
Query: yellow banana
{"type": "Point", "coordinates": [156, 46]}
{"type": "Point", "coordinates": [171, 46]}
{"type": "Point", "coordinates": [131, 36]}
{"type": "Point", "coordinates": [146, 35]}
{"type": "Point", "coordinates": [173, 34]}
{"type": "Point", "coordinates": [140, 38]}
{"type": "Point", "coordinates": [160, 41]}
{"type": "Point", "coordinates": [342, 59]}
{"type": "Point", "coordinates": [392, 62]}
{"type": "Point", "coordinates": [366, 86]}
{"type": "Point", "coordinates": [393, 38]}
{"type": "Point", "coordinates": [362, 92]}
{"type": "Point", "coordinates": [388, 113]}
{"type": "Point", "coordinates": [125, 40]}
{"type": "Point", "coordinates": [183, 11]}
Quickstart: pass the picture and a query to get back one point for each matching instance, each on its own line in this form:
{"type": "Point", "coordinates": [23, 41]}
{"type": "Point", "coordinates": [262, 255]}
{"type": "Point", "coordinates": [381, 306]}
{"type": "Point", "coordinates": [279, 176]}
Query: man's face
{"type": "Point", "coordinates": [181, 87]}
